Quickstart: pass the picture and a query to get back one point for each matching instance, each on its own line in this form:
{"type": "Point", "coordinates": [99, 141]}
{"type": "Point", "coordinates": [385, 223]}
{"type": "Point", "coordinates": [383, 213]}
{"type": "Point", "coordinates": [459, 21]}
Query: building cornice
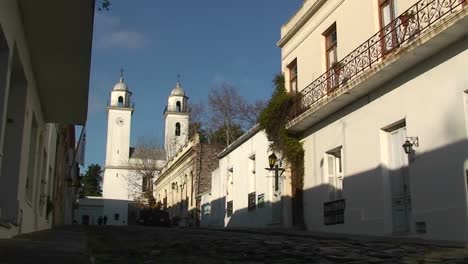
{"type": "Point", "coordinates": [183, 152]}
{"type": "Point", "coordinates": [176, 113]}
{"type": "Point", "coordinates": [300, 23]}
{"type": "Point", "coordinates": [120, 108]}
{"type": "Point", "coordinates": [113, 167]}
{"type": "Point", "coordinates": [246, 136]}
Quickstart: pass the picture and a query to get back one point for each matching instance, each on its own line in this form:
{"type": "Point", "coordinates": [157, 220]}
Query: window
{"type": "Point", "coordinates": [387, 23]}
{"type": "Point", "coordinates": [251, 201]}
{"type": "Point", "coordinates": [120, 101]}
{"type": "Point", "coordinates": [293, 76]}
{"type": "Point", "coordinates": [178, 106]}
{"type": "Point", "coordinates": [331, 43]}
{"type": "Point", "coordinates": [177, 129]}
{"type": "Point", "coordinates": [331, 59]}
{"type": "Point", "coordinates": [334, 172]}
{"type": "Point", "coordinates": [116, 217]}
{"type": "Point", "coordinates": [191, 188]}
{"type": "Point", "coordinates": [229, 208]}
{"type": "Point", "coordinates": [333, 212]}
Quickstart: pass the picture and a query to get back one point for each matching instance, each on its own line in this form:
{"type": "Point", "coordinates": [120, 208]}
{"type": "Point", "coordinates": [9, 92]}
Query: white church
{"type": "Point", "coordinates": [118, 189]}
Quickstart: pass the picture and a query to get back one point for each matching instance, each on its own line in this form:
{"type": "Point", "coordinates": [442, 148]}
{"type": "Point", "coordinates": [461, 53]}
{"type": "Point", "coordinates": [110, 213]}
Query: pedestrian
{"type": "Point", "coordinates": [99, 221]}
{"type": "Point", "coordinates": [104, 220]}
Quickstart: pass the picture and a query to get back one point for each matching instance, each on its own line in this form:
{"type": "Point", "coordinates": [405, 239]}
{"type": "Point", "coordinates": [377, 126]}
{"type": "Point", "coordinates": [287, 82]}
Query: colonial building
{"type": "Point", "coordinates": [44, 81]}
{"type": "Point", "coordinates": [382, 114]}
{"type": "Point", "coordinates": [245, 192]}
{"type": "Point", "coordinates": [187, 173]}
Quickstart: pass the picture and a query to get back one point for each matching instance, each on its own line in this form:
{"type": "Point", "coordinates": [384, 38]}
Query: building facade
{"type": "Point", "coordinates": [245, 192]}
{"type": "Point", "coordinates": [184, 179]}
{"type": "Point", "coordinates": [38, 58]}
{"type": "Point", "coordinates": [187, 173]}
{"type": "Point", "coordinates": [382, 114]}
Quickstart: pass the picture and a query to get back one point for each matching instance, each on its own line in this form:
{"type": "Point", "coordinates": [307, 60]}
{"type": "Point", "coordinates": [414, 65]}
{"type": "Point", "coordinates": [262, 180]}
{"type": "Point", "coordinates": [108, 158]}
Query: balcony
{"type": "Point", "coordinates": [419, 32]}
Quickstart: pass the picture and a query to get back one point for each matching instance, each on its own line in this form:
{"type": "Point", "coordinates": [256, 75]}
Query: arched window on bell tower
{"type": "Point", "coordinates": [120, 102]}
{"type": "Point", "coordinates": [177, 129]}
{"type": "Point", "coordinates": [178, 107]}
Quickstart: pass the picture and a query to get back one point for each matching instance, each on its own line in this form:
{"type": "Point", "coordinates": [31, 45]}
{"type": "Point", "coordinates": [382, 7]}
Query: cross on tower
{"type": "Point", "coordinates": [121, 73]}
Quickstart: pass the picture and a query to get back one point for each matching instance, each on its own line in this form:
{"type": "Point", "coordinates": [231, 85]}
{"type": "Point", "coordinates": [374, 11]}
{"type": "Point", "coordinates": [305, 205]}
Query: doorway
{"type": "Point", "coordinates": [399, 182]}
{"type": "Point", "coordinates": [85, 220]}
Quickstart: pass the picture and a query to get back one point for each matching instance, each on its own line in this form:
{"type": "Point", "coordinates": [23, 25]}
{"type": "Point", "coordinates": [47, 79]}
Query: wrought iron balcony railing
{"type": "Point", "coordinates": [402, 30]}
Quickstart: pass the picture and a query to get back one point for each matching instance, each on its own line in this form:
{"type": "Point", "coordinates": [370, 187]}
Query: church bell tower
{"type": "Point", "coordinates": [176, 121]}
{"type": "Point", "coordinates": [119, 119]}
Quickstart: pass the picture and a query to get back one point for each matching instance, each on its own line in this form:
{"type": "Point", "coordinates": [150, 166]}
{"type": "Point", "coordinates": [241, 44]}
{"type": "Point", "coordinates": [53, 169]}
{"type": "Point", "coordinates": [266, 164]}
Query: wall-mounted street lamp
{"type": "Point", "coordinates": [272, 159]}
{"type": "Point", "coordinates": [409, 143]}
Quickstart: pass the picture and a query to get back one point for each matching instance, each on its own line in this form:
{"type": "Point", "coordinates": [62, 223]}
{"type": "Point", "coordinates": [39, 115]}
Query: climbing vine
{"type": "Point", "coordinates": [273, 120]}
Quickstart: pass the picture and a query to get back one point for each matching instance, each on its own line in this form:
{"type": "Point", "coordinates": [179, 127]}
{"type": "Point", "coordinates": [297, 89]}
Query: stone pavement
{"type": "Point", "coordinates": [173, 245]}
{"type": "Point", "coordinates": [145, 245]}
{"type": "Point", "coordinates": [65, 245]}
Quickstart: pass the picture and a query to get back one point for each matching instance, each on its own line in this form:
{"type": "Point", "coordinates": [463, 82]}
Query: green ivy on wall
{"type": "Point", "coordinates": [273, 120]}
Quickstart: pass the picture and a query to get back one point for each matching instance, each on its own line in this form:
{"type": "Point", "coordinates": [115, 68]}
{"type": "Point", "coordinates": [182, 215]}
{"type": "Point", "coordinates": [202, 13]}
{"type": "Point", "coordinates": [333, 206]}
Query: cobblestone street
{"type": "Point", "coordinates": [162, 245]}
{"type": "Point", "coordinates": [148, 245]}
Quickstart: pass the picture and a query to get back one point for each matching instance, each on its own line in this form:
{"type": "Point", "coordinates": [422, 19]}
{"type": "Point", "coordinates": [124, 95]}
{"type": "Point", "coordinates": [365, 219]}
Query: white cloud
{"type": "Point", "coordinates": [110, 34]}
{"type": "Point", "coordinates": [122, 39]}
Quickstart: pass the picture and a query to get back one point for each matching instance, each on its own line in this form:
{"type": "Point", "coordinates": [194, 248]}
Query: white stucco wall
{"type": "Point", "coordinates": [31, 212]}
{"type": "Point", "coordinates": [118, 136]}
{"type": "Point", "coordinates": [429, 98]}
{"type": "Point", "coordinates": [236, 185]}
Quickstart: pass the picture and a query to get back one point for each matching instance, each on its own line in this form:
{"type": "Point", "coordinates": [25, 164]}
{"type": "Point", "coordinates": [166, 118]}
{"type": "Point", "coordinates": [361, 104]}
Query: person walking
{"type": "Point", "coordinates": [99, 221]}
{"type": "Point", "coordinates": [104, 220]}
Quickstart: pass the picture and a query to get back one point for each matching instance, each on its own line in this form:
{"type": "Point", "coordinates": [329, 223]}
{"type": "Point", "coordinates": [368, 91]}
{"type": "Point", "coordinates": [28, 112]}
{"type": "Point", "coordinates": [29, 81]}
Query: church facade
{"type": "Point", "coordinates": [123, 182]}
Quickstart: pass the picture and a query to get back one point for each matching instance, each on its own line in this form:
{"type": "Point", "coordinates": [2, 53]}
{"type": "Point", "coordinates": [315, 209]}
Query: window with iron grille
{"type": "Point", "coordinates": [333, 212]}
{"type": "Point", "coordinates": [251, 201]}
{"type": "Point", "coordinates": [229, 208]}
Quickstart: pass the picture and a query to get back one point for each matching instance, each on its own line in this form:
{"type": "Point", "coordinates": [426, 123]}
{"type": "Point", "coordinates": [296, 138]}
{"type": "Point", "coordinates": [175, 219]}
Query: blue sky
{"type": "Point", "coordinates": [206, 41]}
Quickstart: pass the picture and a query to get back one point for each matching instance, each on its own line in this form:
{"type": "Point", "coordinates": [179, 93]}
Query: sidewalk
{"type": "Point", "coordinates": [60, 245]}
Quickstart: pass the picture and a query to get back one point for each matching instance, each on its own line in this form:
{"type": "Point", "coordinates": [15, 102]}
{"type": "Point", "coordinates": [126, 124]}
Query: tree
{"type": "Point", "coordinates": [197, 115]}
{"type": "Point", "coordinates": [218, 137]}
{"type": "Point", "coordinates": [103, 5]}
{"type": "Point", "coordinates": [145, 163]}
{"type": "Point", "coordinates": [230, 113]}
{"type": "Point", "coordinates": [249, 113]}
{"type": "Point", "coordinates": [92, 180]}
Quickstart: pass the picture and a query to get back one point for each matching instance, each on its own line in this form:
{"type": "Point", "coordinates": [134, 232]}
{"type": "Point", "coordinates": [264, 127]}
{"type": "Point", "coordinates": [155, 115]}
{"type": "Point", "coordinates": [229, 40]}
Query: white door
{"type": "Point", "coordinates": [399, 182]}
